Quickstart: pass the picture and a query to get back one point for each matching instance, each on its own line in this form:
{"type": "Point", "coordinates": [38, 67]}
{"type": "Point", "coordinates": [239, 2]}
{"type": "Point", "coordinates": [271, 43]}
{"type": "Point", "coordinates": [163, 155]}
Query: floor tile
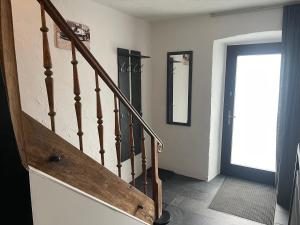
{"type": "Point", "coordinates": [187, 199]}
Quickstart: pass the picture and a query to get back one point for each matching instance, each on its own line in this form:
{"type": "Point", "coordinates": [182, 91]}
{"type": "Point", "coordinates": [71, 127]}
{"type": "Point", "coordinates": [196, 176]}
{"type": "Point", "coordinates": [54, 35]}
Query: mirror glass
{"type": "Point", "coordinates": [179, 88]}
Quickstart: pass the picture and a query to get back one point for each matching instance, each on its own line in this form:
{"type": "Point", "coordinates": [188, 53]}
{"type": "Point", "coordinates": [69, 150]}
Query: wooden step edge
{"type": "Point", "coordinates": [82, 172]}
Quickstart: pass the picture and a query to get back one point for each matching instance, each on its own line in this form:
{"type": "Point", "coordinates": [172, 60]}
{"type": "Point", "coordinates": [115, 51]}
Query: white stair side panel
{"type": "Point", "coordinates": [54, 202]}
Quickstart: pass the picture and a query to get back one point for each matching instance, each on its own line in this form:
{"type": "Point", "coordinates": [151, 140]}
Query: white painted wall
{"type": "Point", "coordinates": [54, 202]}
{"type": "Point", "coordinates": [187, 149]}
{"type": "Point", "coordinates": [109, 29]}
{"type": "Point", "coordinates": [191, 151]}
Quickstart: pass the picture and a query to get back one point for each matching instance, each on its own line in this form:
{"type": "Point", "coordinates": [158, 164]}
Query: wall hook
{"type": "Point", "coordinates": [122, 69]}
{"type": "Point", "coordinates": [135, 68]}
{"type": "Point", "coordinates": [141, 68]}
{"type": "Point", "coordinates": [128, 69]}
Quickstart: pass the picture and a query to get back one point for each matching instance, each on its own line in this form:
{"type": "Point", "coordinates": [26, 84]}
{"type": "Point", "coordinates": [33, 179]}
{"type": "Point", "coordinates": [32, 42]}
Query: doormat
{"type": "Point", "coordinates": [246, 199]}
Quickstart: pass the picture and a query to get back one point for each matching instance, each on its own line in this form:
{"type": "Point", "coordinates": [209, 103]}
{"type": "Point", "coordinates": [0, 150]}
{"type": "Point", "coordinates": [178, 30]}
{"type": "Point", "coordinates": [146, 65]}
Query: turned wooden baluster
{"type": "Point", "coordinates": [156, 182]}
{"type": "Point", "coordinates": [99, 118]}
{"type": "Point", "coordinates": [77, 95]}
{"type": "Point", "coordinates": [118, 135]}
{"type": "Point", "coordinates": [144, 161]}
{"type": "Point", "coordinates": [132, 151]}
{"type": "Point", "coordinates": [48, 66]}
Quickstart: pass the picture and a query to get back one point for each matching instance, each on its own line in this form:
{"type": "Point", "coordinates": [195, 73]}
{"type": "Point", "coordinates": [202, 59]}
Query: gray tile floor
{"type": "Point", "coordinates": [188, 199]}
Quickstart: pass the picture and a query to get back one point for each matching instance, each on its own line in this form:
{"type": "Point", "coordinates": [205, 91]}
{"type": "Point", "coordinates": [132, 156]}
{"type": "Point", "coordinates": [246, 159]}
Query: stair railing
{"type": "Point", "coordinates": [77, 45]}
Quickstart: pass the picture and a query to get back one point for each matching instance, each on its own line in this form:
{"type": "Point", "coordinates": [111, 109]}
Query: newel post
{"type": "Point", "coordinates": [156, 182]}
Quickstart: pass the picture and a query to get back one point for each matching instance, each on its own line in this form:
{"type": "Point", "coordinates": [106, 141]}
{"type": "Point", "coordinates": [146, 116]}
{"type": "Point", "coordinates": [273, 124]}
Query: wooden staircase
{"type": "Point", "coordinates": [41, 148]}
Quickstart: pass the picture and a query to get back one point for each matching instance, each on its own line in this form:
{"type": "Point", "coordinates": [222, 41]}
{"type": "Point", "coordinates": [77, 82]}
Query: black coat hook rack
{"type": "Point", "coordinates": [130, 55]}
{"type": "Point", "coordinates": [130, 82]}
{"type": "Point", "coordinates": [132, 59]}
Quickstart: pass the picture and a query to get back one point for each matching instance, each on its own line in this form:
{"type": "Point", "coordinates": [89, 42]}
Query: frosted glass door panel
{"type": "Point", "coordinates": [255, 111]}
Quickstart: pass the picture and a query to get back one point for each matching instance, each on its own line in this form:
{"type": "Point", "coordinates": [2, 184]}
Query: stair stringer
{"type": "Point", "coordinates": [78, 170]}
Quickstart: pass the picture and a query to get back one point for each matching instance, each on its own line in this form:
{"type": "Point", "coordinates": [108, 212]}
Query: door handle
{"type": "Point", "coordinates": [230, 116]}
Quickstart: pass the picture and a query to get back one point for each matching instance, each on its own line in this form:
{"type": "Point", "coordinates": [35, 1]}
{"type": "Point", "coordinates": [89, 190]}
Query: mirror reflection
{"type": "Point", "coordinates": [179, 87]}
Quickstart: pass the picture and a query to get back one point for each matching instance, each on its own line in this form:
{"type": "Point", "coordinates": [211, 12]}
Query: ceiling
{"type": "Point", "coordinates": [163, 9]}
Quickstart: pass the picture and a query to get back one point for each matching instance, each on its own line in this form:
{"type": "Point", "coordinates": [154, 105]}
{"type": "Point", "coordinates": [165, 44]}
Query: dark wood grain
{"type": "Point", "coordinates": [99, 118]}
{"type": "Point", "coordinates": [132, 149]}
{"type": "Point", "coordinates": [10, 75]}
{"type": "Point", "coordinates": [117, 134]}
{"type": "Point", "coordinates": [144, 162]}
{"type": "Point", "coordinates": [82, 172]}
{"type": "Point", "coordinates": [156, 182]}
{"type": "Point", "coordinates": [77, 96]}
{"type": "Point", "coordinates": [47, 61]}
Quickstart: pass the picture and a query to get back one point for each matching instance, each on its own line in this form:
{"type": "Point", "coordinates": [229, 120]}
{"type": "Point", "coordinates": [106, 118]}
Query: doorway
{"type": "Point", "coordinates": [250, 111]}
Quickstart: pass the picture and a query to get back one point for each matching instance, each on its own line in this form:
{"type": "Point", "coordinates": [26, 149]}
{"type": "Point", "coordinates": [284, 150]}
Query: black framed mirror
{"type": "Point", "coordinates": [179, 87]}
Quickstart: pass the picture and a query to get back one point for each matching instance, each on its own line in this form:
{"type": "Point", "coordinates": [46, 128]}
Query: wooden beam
{"type": "Point", "coordinates": [10, 76]}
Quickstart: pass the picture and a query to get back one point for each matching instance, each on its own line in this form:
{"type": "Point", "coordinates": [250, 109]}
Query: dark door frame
{"type": "Point", "coordinates": [226, 167]}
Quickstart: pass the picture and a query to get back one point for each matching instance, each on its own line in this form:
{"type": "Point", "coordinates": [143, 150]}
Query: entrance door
{"type": "Point", "coordinates": [250, 111]}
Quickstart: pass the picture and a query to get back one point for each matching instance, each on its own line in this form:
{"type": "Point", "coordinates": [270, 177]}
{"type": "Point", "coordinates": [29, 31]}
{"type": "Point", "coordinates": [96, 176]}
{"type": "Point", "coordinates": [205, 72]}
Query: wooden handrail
{"type": "Point", "coordinates": [156, 143]}
{"type": "Point", "coordinates": [62, 24]}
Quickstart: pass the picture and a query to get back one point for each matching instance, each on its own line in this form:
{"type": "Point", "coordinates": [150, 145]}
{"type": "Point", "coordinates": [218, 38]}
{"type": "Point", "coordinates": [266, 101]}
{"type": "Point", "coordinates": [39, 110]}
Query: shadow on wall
{"type": "Point", "coordinates": [15, 195]}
